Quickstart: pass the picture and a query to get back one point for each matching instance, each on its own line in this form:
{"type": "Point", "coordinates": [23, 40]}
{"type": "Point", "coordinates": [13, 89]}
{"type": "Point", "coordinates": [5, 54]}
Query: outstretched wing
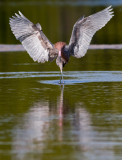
{"type": "Point", "coordinates": [32, 38]}
{"type": "Point", "coordinates": [85, 28]}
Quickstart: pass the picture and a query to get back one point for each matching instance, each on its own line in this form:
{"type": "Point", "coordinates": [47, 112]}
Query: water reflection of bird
{"type": "Point", "coordinates": [41, 49]}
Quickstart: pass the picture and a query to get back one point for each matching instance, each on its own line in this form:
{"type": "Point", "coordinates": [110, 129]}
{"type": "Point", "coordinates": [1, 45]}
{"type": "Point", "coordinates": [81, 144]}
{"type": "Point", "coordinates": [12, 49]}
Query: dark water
{"type": "Point", "coordinates": [80, 120]}
{"type": "Point", "coordinates": [40, 119]}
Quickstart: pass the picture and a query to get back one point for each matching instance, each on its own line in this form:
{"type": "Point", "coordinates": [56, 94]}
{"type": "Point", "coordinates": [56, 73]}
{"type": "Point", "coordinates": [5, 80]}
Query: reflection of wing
{"type": "Point", "coordinates": [31, 134]}
{"type": "Point", "coordinates": [85, 28]}
{"type": "Point", "coordinates": [32, 38]}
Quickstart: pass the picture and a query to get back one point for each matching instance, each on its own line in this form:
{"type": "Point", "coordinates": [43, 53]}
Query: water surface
{"type": "Point", "coordinates": [42, 119]}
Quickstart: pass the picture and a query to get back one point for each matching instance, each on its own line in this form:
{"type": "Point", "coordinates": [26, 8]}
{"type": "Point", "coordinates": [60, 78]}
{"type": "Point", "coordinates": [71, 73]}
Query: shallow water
{"type": "Point", "coordinates": [42, 119]}
{"type": "Point", "coordinates": [78, 120]}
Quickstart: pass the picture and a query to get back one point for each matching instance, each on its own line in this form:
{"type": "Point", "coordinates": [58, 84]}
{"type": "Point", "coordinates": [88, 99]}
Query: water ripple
{"type": "Point", "coordinates": [87, 77]}
{"type": "Point", "coordinates": [70, 77]}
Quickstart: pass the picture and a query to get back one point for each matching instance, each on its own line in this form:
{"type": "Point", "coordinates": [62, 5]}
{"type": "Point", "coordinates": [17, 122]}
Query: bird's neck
{"type": "Point", "coordinates": [59, 53]}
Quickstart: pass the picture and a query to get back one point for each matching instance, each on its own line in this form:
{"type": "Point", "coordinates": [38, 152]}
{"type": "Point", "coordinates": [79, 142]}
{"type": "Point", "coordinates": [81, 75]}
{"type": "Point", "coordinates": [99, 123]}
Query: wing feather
{"type": "Point", "coordinates": [85, 28]}
{"type": "Point", "coordinates": [32, 38]}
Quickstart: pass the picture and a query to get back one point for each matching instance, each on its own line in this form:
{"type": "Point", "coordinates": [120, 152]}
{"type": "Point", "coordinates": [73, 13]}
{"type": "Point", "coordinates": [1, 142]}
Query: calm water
{"type": "Point", "coordinates": [80, 120]}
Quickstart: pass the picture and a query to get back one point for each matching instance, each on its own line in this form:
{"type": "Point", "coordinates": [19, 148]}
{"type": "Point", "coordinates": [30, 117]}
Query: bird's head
{"type": "Point", "coordinates": [59, 46]}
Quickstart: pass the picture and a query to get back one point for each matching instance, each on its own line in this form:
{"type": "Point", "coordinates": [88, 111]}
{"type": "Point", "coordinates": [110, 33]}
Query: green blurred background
{"type": "Point", "coordinates": [57, 19]}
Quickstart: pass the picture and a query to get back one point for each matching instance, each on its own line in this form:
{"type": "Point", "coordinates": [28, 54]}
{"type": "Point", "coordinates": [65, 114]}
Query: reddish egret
{"type": "Point", "coordinates": [41, 49]}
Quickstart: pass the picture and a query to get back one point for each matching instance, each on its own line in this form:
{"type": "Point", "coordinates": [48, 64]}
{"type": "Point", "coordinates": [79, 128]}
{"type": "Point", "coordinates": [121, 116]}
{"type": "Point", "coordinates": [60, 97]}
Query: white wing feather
{"type": "Point", "coordinates": [32, 38]}
{"type": "Point", "coordinates": [35, 50]}
{"type": "Point", "coordinates": [85, 28]}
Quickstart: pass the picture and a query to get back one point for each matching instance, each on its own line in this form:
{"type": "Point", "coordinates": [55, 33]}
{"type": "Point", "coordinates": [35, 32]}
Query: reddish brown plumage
{"type": "Point", "coordinates": [59, 46]}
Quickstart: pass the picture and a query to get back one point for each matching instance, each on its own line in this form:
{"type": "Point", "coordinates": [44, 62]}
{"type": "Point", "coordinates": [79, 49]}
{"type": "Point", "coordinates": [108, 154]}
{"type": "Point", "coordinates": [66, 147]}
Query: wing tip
{"type": "Point", "coordinates": [20, 13]}
{"type": "Point", "coordinates": [110, 10]}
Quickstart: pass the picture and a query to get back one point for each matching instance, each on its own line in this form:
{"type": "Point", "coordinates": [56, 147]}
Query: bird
{"type": "Point", "coordinates": [41, 49]}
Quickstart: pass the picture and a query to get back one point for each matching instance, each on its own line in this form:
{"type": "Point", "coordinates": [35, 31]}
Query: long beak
{"type": "Point", "coordinates": [61, 78]}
